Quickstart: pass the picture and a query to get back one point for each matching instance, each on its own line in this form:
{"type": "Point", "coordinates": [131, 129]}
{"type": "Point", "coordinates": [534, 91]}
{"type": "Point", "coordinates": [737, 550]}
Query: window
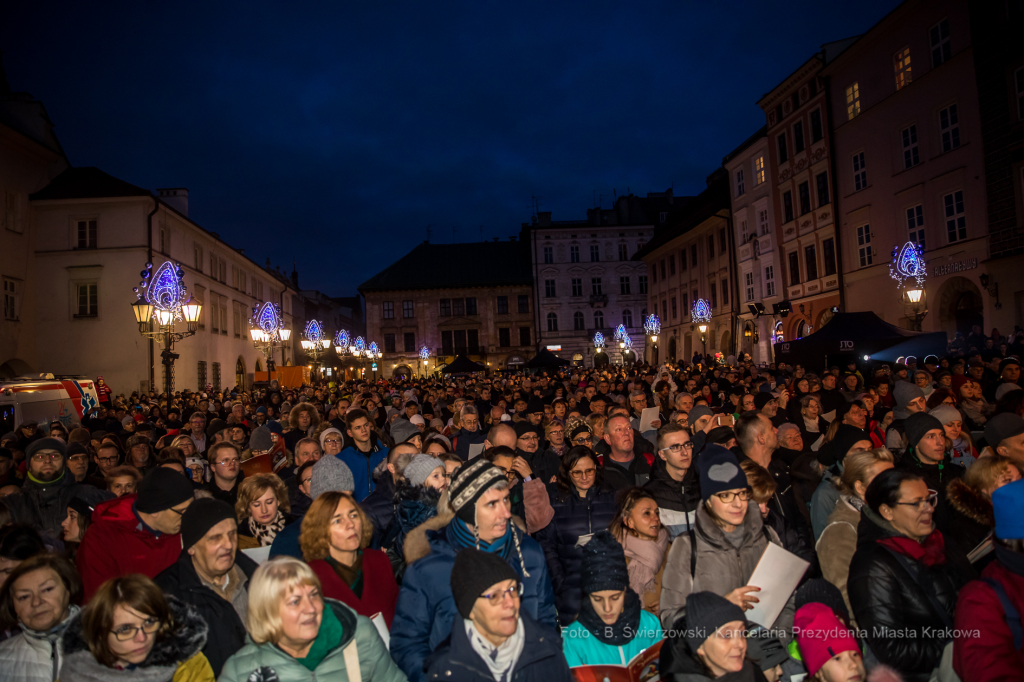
{"type": "Point", "coordinates": [798, 137]}
{"type": "Point", "coordinates": [860, 173]}
{"type": "Point", "coordinates": [915, 224]}
{"type": "Point", "coordinates": [237, 317]}
{"type": "Point", "coordinates": [769, 280]}
{"type": "Point", "coordinates": [577, 321]}
{"type": "Point", "coordinates": [446, 307]}
{"type": "Point", "coordinates": [714, 296]}
{"type": "Point", "coordinates": [624, 251]}
{"type": "Point", "coordinates": [762, 221]}
{"type": "Point", "coordinates": [739, 183]}
{"type": "Point", "coordinates": [223, 274]}
{"type": "Point", "coordinates": [627, 318]}
{"type": "Point", "coordinates": [595, 286]}
{"type": "Point", "coordinates": [682, 259]}
{"type": "Point", "coordinates": [10, 211]}
{"type": "Point", "coordinates": [938, 36]}
{"type": "Point", "coordinates": [552, 322]}
{"type": "Point", "coordinates": [721, 240]}
{"type": "Point", "coordinates": [794, 268]}
{"type": "Point", "coordinates": [524, 336]}
{"type": "Point", "coordinates": [672, 265]}
{"type": "Point", "coordinates": [901, 63]}
{"type": "Point", "coordinates": [223, 315]}
{"type": "Point", "coordinates": [388, 310]}
{"type": "Point", "coordinates": [852, 101]}
{"type": "Point", "coordinates": [216, 376]}
{"type": "Point", "coordinates": [459, 336]}
{"type": "Point", "coordinates": [956, 222]}
{"type": "Point", "coordinates": [474, 341]}
{"type": "Point", "coordinates": [259, 289]}
{"type": "Point", "coordinates": [595, 253]}
{"type": "Point", "coordinates": [816, 130]}
{"type": "Point", "coordinates": [214, 313]}
{"type": "Point", "coordinates": [663, 268]}
{"type": "Point", "coordinates": [389, 343]}
{"type": "Point", "coordinates": [693, 255]}
{"type": "Point", "coordinates": [87, 300]}
{"type": "Point", "coordinates": [748, 281]}
{"type": "Point", "coordinates": [577, 286]}
{"type": "Point", "coordinates": [664, 310]}
{"type": "Point", "coordinates": [574, 255]}
{"type": "Point", "coordinates": [87, 234]}
{"type": "Point", "coordinates": [864, 245]}
{"type": "Point", "coordinates": [201, 374]}
{"type": "Point", "coordinates": [828, 251]}
{"type": "Point", "coordinates": [503, 305]}
{"type": "Point", "coordinates": [504, 337]}
{"type": "Point", "coordinates": [447, 345]}
{"type": "Point", "coordinates": [805, 198]}
{"type": "Point", "coordinates": [910, 155]}
{"type": "Point", "coordinates": [12, 300]}
{"type": "Point", "coordinates": [549, 288]}
{"type": "Point", "coordinates": [163, 239]}
{"type": "Point", "coordinates": [811, 262]}
{"type": "Point", "coordinates": [458, 307]}
{"type": "Point", "coordinates": [758, 170]}
{"type": "Point", "coordinates": [524, 303]}
{"type": "Point", "coordinates": [686, 304]}
{"type": "Point", "coordinates": [598, 319]}
{"type": "Point", "coordinates": [408, 311]}
{"type": "Point", "coordinates": [822, 180]}
{"type": "Point", "coordinates": [787, 206]}
{"type": "Point", "coordinates": [641, 283]}
{"type": "Point", "coordinates": [549, 255]}
{"type": "Point", "coordinates": [470, 305]}
{"type": "Point", "coordinates": [410, 342]}
{"type": "Point", "coordinates": [624, 285]}
{"type": "Point", "coordinates": [711, 246]}
{"type": "Point", "coordinates": [197, 261]}
{"type": "Point", "coordinates": [675, 311]}
{"type": "Point", "coordinates": [725, 292]}
{"type": "Point", "coordinates": [783, 149]}
{"type": "Point", "coordinates": [949, 124]}
{"type": "Point", "coordinates": [686, 310]}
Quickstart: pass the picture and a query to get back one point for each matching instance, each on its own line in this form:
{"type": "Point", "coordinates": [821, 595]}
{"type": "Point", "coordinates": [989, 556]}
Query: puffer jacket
{"type": "Point", "coordinates": [970, 518]}
{"type": "Point", "coordinates": [33, 656]}
{"type": "Point", "coordinates": [895, 607]}
{"type": "Point", "coordinates": [44, 506]}
{"type": "Point", "coordinates": [837, 545]}
{"type": "Point", "coordinates": [990, 657]}
{"type": "Point", "coordinates": [575, 517]}
{"type": "Point", "coordinates": [721, 568]}
{"type": "Point", "coordinates": [414, 505]}
{"type": "Point", "coordinates": [266, 662]}
{"type": "Point", "coordinates": [677, 500]}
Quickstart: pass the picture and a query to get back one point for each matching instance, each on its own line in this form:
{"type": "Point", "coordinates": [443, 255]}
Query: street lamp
{"type": "Point", "coordinates": [424, 357]}
{"type": "Point", "coordinates": [908, 264]}
{"type": "Point", "coordinates": [163, 298]}
{"type": "Point", "coordinates": [266, 327]}
{"type": "Point", "coordinates": [701, 314]}
{"type": "Point", "coordinates": [314, 341]}
{"type": "Point", "coordinates": [652, 325]}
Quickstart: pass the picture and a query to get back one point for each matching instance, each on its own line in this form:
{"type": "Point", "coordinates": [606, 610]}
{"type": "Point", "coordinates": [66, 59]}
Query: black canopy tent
{"type": "Point", "coordinates": [462, 365]}
{"type": "Point", "coordinates": [855, 335]}
{"type": "Point", "coordinates": [545, 359]}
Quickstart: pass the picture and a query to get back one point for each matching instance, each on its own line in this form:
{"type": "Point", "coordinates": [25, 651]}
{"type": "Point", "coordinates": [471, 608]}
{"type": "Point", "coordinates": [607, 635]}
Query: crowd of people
{"type": "Point", "coordinates": [515, 527]}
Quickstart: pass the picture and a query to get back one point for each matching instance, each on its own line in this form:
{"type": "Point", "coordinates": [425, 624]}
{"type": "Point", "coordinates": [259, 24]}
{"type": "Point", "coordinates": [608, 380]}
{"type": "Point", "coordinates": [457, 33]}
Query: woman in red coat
{"type": "Point", "coordinates": [334, 539]}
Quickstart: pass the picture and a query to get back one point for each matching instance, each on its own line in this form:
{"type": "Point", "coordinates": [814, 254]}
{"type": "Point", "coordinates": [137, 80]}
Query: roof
{"type": "Point", "coordinates": [88, 183]}
{"type": "Point", "coordinates": [762, 132]}
{"type": "Point", "coordinates": [706, 204]}
{"type": "Point", "coordinates": [452, 266]}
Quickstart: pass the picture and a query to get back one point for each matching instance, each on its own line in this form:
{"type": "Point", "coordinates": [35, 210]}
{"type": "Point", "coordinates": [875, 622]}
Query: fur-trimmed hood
{"type": "Point", "coordinates": [971, 503]}
{"type": "Point", "coordinates": [417, 545]}
{"type": "Point", "coordinates": [167, 654]}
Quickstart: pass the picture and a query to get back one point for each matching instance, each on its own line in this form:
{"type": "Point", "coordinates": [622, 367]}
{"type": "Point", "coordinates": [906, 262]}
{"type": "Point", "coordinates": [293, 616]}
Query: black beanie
{"type": "Point", "coordinates": [161, 489]}
{"type": "Point", "coordinates": [469, 483]}
{"type": "Point", "coordinates": [473, 573]}
{"type": "Point", "coordinates": [762, 398]}
{"type": "Point", "coordinates": [845, 438]}
{"type": "Point", "coordinates": [705, 613]}
{"type": "Point", "coordinates": [821, 591]}
{"type": "Point", "coordinates": [918, 424]}
{"type": "Point", "coordinates": [603, 565]}
{"type": "Point", "coordinates": [46, 444]}
{"type": "Point", "coordinates": [524, 427]}
{"type": "Point", "coordinates": [201, 516]}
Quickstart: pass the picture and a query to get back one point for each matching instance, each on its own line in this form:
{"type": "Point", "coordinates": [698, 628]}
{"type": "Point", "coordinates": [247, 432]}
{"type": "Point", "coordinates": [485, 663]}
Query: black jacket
{"type": "Point", "coordinates": [380, 506]}
{"type": "Point", "coordinates": [680, 496]}
{"type": "Point", "coordinates": [937, 477]}
{"type": "Point", "coordinates": [543, 463]}
{"type": "Point", "coordinates": [617, 478]}
{"type": "Point", "coordinates": [227, 632]}
{"type": "Point", "coordinates": [45, 506]}
{"type": "Point", "coordinates": [680, 663]}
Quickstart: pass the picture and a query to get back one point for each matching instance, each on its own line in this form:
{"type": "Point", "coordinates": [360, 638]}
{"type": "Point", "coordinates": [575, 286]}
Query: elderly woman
{"type": "Point", "coordinates": [713, 645]}
{"type": "Point", "coordinates": [299, 635]}
{"type": "Point", "coordinates": [335, 540]}
{"type": "Point", "coordinates": [263, 510]}
{"type": "Point", "coordinates": [554, 434]}
{"type": "Point", "coordinates": [39, 596]}
{"type": "Point", "coordinates": [131, 632]}
{"type": "Point", "coordinates": [812, 425]}
{"type": "Point", "coordinates": [494, 639]}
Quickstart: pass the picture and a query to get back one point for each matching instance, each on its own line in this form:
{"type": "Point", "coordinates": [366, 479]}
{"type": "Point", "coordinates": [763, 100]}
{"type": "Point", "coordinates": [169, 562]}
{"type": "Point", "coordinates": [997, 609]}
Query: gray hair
{"type": "Point", "coordinates": [468, 410]}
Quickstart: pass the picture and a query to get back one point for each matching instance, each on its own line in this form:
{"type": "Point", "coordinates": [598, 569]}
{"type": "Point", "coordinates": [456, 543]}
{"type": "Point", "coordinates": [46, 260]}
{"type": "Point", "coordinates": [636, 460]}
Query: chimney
{"type": "Point", "coordinates": [176, 198]}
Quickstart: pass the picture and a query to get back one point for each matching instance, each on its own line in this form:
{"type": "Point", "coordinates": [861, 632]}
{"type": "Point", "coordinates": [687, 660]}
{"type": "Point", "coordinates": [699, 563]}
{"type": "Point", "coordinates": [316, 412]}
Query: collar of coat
{"type": "Point", "coordinates": [711, 533]}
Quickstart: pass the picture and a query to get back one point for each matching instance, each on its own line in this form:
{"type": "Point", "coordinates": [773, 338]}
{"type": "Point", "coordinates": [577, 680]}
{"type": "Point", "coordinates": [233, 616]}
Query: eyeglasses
{"type": "Point", "coordinates": [306, 480]}
{"type": "Point", "coordinates": [556, 432]}
{"type": "Point", "coordinates": [529, 436]}
{"type": "Point", "coordinates": [78, 458]}
{"type": "Point", "coordinates": [179, 512]}
{"type": "Point", "coordinates": [931, 501]}
{"type": "Point", "coordinates": [676, 448]}
{"type": "Point", "coordinates": [730, 495]}
{"type": "Point", "coordinates": [107, 460]}
{"type": "Point", "coordinates": [126, 632]}
{"type": "Point", "coordinates": [228, 462]}
{"type": "Point", "coordinates": [497, 597]}
{"type": "Point", "coordinates": [583, 440]}
{"type": "Point", "coordinates": [582, 473]}
{"type": "Point", "coordinates": [332, 440]}
{"type": "Point", "coordinates": [42, 456]}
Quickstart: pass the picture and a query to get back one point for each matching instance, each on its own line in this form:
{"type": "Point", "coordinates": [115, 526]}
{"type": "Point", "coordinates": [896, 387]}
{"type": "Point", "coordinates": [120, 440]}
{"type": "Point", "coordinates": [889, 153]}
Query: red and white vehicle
{"type": "Point", "coordinates": [64, 399]}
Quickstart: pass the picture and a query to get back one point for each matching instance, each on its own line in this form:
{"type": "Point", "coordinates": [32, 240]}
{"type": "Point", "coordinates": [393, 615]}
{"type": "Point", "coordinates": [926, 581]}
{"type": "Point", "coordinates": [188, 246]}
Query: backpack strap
{"type": "Point", "coordinates": [693, 553]}
{"type": "Point", "coordinates": [1012, 615]}
{"type": "Point", "coordinates": [351, 655]}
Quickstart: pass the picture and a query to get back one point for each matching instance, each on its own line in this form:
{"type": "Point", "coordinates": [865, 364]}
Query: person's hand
{"type": "Point", "coordinates": [656, 424]}
{"type": "Point", "coordinates": [520, 466]}
{"type": "Point", "coordinates": [783, 398]}
{"type": "Point", "coordinates": [742, 599]}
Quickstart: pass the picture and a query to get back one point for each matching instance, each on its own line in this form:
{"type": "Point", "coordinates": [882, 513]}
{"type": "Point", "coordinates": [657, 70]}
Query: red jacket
{"type": "Point", "coordinates": [116, 544]}
{"type": "Point", "coordinates": [380, 591]}
{"type": "Point", "coordinates": [989, 656]}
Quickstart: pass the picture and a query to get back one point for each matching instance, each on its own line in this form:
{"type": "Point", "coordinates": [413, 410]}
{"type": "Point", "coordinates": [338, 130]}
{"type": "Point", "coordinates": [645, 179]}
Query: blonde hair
{"type": "Point", "coordinates": [270, 584]}
{"type": "Point", "coordinates": [759, 480]}
{"type": "Point", "coordinates": [315, 536]}
{"type": "Point", "coordinates": [984, 473]}
{"type": "Point", "coordinates": [856, 467]}
{"type": "Point", "coordinates": [253, 489]}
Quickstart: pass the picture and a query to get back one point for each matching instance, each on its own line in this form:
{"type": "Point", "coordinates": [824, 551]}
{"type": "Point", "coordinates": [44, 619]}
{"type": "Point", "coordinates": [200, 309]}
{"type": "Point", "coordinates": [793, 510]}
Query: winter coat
{"type": "Point", "coordinates": [540, 661]}
{"type": "Point", "coordinates": [617, 478]}
{"type": "Point", "coordinates": [680, 663]}
{"type": "Point", "coordinates": [175, 659]}
{"type": "Point", "coordinates": [380, 506]}
{"type": "Point", "coordinates": [467, 438]}
{"type": "Point", "coordinates": [32, 656]}
{"type": "Point", "coordinates": [823, 502]}
{"type": "Point", "coordinates": [426, 608]}
{"type": "Point", "coordinates": [936, 477]}
{"type": "Point", "coordinates": [117, 544]}
{"type": "Point", "coordinates": [227, 631]}
{"type": "Point", "coordinates": [362, 465]}
{"type": "Point", "coordinates": [990, 657]}
{"type": "Point", "coordinates": [44, 506]}
{"type": "Point", "coordinates": [575, 517]}
{"type": "Point", "coordinates": [677, 500]}
{"type": "Point", "coordinates": [720, 567]}
{"type": "Point", "coordinates": [581, 647]}
{"type": "Point", "coordinates": [885, 596]}
{"type": "Point", "coordinates": [413, 505]}
{"type": "Point", "coordinates": [837, 545]}
{"type": "Point", "coordinates": [543, 463]}
{"type": "Point", "coordinates": [380, 592]}
{"type": "Point", "coordinates": [246, 540]}
{"type": "Point", "coordinates": [266, 662]}
{"type": "Point", "coordinates": [970, 517]}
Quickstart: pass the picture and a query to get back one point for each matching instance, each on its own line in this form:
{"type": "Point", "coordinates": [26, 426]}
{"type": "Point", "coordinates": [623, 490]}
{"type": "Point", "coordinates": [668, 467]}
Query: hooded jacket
{"type": "Point", "coordinates": [992, 656]}
{"type": "Point", "coordinates": [33, 656]}
{"type": "Point", "coordinates": [44, 506]}
{"type": "Point", "coordinates": [362, 465]}
{"type": "Point", "coordinates": [117, 544]}
{"type": "Point", "coordinates": [970, 517]}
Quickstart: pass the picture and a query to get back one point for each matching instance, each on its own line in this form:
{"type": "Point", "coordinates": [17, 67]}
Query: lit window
{"type": "Point", "coordinates": [759, 170]}
{"type": "Point", "coordinates": [852, 101]}
{"type": "Point", "coordinates": [901, 63]}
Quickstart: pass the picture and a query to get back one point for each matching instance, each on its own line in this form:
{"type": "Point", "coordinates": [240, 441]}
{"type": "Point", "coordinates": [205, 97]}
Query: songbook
{"type": "Point", "coordinates": [642, 668]}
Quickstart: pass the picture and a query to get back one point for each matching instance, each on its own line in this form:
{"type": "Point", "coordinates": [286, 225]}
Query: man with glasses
{"type": "Point", "coordinates": [135, 533]}
{"type": "Point", "coordinates": [531, 459]}
{"type": "Point", "coordinates": [226, 462]}
{"type": "Point", "coordinates": [674, 482]}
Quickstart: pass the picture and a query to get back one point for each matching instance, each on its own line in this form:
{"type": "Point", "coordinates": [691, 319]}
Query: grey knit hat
{"type": "Point", "coordinates": [331, 474]}
{"type": "Point", "coordinates": [402, 430]}
{"type": "Point", "coordinates": [260, 440]}
{"type": "Point", "coordinates": [946, 414]}
{"type": "Point", "coordinates": [421, 466]}
{"type": "Point", "coordinates": [904, 392]}
{"type": "Point", "coordinates": [698, 412]}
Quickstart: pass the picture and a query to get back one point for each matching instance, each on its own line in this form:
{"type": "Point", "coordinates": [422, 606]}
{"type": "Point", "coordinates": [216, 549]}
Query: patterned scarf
{"type": "Point", "coordinates": [266, 532]}
{"type": "Point", "coordinates": [500, 660]}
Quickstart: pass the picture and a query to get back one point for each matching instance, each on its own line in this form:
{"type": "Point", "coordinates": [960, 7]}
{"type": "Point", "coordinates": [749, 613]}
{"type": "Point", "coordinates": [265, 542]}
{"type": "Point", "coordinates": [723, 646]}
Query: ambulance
{"type": "Point", "coordinates": [64, 398]}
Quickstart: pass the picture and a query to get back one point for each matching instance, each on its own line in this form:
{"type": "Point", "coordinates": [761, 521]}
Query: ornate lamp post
{"type": "Point", "coordinates": [373, 352]}
{"type": "Point", "coordinates": [424, 357]}
{"type": "Point", "coordinates": [652, 325]}
{"type": "Point", "coordinates": [266, 327]}
{"type": "Point", "coordinates": [162, 301]}
{"type": "Point", "coordinates": [908, 264]}
{"type": "Point", "coordinates": [598, 345]}
{"type": "Point", "coordinates": [701, 314]}
{"type": "Point", "coordinates": [314, 341]}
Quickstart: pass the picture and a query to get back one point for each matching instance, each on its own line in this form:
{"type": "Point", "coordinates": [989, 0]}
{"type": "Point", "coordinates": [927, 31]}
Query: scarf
{"type": "Point", "coordinates": [265, 533]}
{"type": "Point", "coordinates": [646, 561]}
{"type": "Point", "coordinates": [500, 660]}
{"type": "Point", "coordinates": [350, 575]}
{"type": "Point", "coordinates": [931, 551]}
{"type": "Point", "coordinates": [463, 537]}
{"type": "Point", "coordinates": [326, 640]}
{"type": "Point", "coordinates": [619, 633]}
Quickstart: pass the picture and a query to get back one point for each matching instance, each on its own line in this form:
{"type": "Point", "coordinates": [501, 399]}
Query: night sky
{"type": "Point", "coordinates": [334, 133]}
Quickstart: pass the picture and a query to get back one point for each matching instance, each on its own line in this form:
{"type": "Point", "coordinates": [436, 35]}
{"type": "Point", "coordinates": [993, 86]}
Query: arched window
{"type": "Point", "coordinates": [627, 318]}
{"type": "Point", "coordinates": [552, 322]}
{"type": "Point", "coordinates": [598, 319]}
{"type": "Point", "coordinates": [577, 321]}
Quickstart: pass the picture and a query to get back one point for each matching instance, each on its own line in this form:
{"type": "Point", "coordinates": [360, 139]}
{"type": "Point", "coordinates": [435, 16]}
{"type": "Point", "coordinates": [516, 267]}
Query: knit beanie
{"type": "Point", "coordinates": [705, 613]}
{"type": "Point", "coordinates": [845, 438]}
{"type": "Point", "coordinates": [946, 414]}
{"type": "Point", "coordinates": [260, 440]}
{"type": "Point", "coordinates": [323, 436]}
{"type": "Point", "coordinates": [823, 592]}
{"type": "Point", "coordinates": [201, 516]}
{"type": "Point", "coordinates": [275, 427]}
{"type": "Point", "coordinates": [47, 444]}
{"type": "Point", "coordinates": [75, 448]}
{"type": "Point", "coordinates": [420, 467]}
{"type": "Point", "coordinates": [719, 471]}
{"type": "Point", "coordinates": [761, 398]}
{"type": "Point", "coordinates": [82, 507]}
{"type": "Point", "coordinates": [537, 405]}
{"type": "Point", "coordinates": [402, 430]}
{"type": "Point", "coordinates": [904, 392]}
{"type": "Point", "coordinates": [523, 428]}
{"type": "Point", "coordinates": [417, 420]}
{"type": "Point", "coordinates": [919, 424]}
{"type": "Point", "coordinates": [720, 435]}
{"type": "Point", "coordinates": [215, 427]}
{"type": "Point", "coordinates": [1001, 427]}
{"type": "Point", "coordinates": [473, 573]}
{"type": "Point", "coordinates": [698, 412]}
{"type": "Point", "coordinates": [603, 564]}
{"type": "Point", "coordinates": [1008, 508]}
{"type": "Point", "coordinates": [331, 474]}
{"type": "Point", "coordinates": [470, 482]}
{"type": "Point", "coordinates": [1003, 389]}
{"type": "Point", "coordinates": [161, 489]}
{"type": "Point", "coordinates": [821, 635]}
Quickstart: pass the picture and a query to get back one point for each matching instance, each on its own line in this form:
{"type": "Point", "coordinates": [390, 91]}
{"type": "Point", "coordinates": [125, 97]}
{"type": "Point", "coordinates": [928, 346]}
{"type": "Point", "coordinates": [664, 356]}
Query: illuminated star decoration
{"type": "Point", "coordinates": [598, 340]}
{"type": "Point", "coordinates": [267, 317]}
{"type": "Point", "coordinates": [908, 262]}
{"type": "Point", "coordinates": [166, 291]}
{"type": "Point", "coordinates": [341, 339]}
{"type": "Point", "coordinates": [701, 312]}
{"type": "Point", "coordinates": [652, 325]}
{"type": "Point", "coordinates": [314, 332]}
{"type": "Point", "coordinates": [424, 353]}
{"type": "Point", "coordinates": [626, 339]}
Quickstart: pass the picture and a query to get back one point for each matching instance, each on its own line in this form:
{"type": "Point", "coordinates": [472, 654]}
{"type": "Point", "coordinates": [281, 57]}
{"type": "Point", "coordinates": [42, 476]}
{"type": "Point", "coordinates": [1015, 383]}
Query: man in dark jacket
{"type": "Point", "coordinates": [212, 575]}
{"type": "Point", "coordinates": [543, 464]}
{"type": "Point", "coordinates": [622, 466]}
{"type": "Point", "coordinates": [926, 456]}
{"type": "Point", "coordinates": [674, 481]}
{"type": "Point", "coordinates": [829, 396]}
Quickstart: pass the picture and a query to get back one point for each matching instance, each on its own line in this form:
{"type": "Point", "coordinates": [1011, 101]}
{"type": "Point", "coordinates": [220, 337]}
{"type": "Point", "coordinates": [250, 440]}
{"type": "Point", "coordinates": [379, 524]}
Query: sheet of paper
{"type": "Point", "coordinates": [646, 417]}
{"type": "Point", "coordinates": [475, 450]}
{"type": "Point", "coordinates": [777, 573]}
{"type": "Point", "coordinates": [382, 628]}
{"type": "Point", "coordinates": [260, 555]}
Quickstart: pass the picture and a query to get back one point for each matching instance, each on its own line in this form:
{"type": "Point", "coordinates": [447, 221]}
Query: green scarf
{"type": "Point", "coordinates": [326, 640]}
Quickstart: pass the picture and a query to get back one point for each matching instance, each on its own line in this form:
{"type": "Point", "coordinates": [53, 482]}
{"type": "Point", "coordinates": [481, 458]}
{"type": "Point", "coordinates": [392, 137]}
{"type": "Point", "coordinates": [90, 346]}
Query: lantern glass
{"type": "Point", "coordinates": [285, 334]}
{"type": "Point", "coordinates": [702, 327]}
{"type": "Point", "coordinates": [914, 295]}
{"type": "Point", "coordinates": [143, 311]}
{"type": "Point", "coordinates": [191, 311]}
{"type": "Point", "coordinates": [326, 343]}
{"type": "Point", "coordinates": [164, 317]}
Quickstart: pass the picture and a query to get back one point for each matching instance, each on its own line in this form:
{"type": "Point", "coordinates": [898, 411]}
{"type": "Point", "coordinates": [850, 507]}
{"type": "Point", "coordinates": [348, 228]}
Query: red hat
{"type": "Point", "coordinates": [821, 636]}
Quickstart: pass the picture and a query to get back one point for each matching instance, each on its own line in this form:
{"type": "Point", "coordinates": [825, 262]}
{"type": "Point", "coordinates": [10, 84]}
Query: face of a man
{"type": "Point", "coordinates": [78, 465]}
{"type": "Point", "coordinates": [1013, 449]}
{"type": "Point", "coordinates": [238, 435]}
{"type": "Point", "coordinates": [856, 417]}
{"type": "Point", "coordinates": [676, 450]}
{"type": "Point", "coordinates": [1011, 374]}
{"type": "Point", "coordinates": [528, 442]}
{"type": "Point", "coordinates": [169, 520]}
{"type": "Point", "coordinates": [470, 422]}
{"type": "Point", "coordinates": [46, 465]}
{"type": "Point", "coordinates": [828, 381]}
{"type": "Point", "coordinates": [360, 430]}
{"type": "Point", "coordinates": [932, 446]}
{"type": "Point", "coordinates": [493, 510]}
{"type": "Point", "coordinates": [226, 464]}
{"type": "Point", "coordinates": [214, 554]}
{"type": "Point", "coordinates": [619, 435]}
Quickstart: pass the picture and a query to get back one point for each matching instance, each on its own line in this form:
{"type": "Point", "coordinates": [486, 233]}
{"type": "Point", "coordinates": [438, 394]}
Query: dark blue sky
{"type": "Point", "coordinates": [333, 133]}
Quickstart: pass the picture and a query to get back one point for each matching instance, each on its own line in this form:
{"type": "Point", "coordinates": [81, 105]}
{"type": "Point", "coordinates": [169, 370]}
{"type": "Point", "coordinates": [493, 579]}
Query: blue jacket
{"type": "Point", "coordinates": [574, 516]}
{"type": "Point", "coordinates": [426, 608]}
{"type": "Point", "coordinates": [286, 542]}
{"type": "Point", "coordinates": [583, 648]}
{"type": "Point", "coordinates": [362, 466]}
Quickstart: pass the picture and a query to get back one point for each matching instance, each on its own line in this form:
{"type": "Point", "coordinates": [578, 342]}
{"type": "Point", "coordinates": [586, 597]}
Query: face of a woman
{"type": "Point", "coordinates": [435, 449]}
{"type": "Point", "coordinates": [301, 612]}
{"type": "Point", "coordinates": [921, 380]}
{"type": "Point", "coordinates": [803, 386]}
{"type": "Point", "coordinates": [911, 515]}
{"type": "Point", "coordinates": [188, 448]}
{"type": "Point", "coordinates": [608, 604]}
{"type": "Point", "coordinates": [724, 651]}
{"type": "Point", "coordinates": [731, 512]}
{"type": "Point", "coordinates": [346, 527]}
{"type": "Point", "coordinates": [40, 599]}
{"type": "Point", "coordinates": [264, 507]}
{"type": "Point", "coordinates": [137, 648]}
{"type": "Point", "coordinates": [644, 519]}
{"type": "Point", "coordinates": [72, 531]}
{"type": "Point", "coordinates": [953, 429]}
{"type": "Point", "coordinates": [583, 474]}
{"type": "Point", "coordinates": [811, 411]}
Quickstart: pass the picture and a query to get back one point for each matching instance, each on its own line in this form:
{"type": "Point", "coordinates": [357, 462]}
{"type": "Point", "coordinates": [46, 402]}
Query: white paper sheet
{"type": "Point", "coordinates": [475, 450]}
{"type": "Point", "coordinates": [382, 628]}
{"type": "Point", "coordinates": [777, 573]}
{"type": "Point", "coordinates": [260, 555]}
{"type": "Point", "coordinates": [646, 417]}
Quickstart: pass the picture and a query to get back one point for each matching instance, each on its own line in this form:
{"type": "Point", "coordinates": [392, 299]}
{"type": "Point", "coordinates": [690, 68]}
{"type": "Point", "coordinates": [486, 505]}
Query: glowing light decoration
{"type": "Point", "coordinates": [373, 349]}
{"type": "Point", "coordinates": [314, 332]}
{"type": "Point", "coordinates": [424, 353]}
{"type": "Point", "coordinates": [628, 342]}
{"type": "Point", "coordinates": [341, 340]}
{"type": "Point", "coordinates": [360, 344]}
{"type": "Point", "coordinates": [701, 312]}
{"type": "Point", "coordinates": [598, 340]}
{"type": "Point", "coordinates": [652, 325]}
{"type": "Point", "coordinates": [908, 263]}
{"type": "Point", "coordinates": [620, 332]}
{"type": "Point", "coordinates": [165, 291]}
{"type": "Point", "coordinates": [267, 318]}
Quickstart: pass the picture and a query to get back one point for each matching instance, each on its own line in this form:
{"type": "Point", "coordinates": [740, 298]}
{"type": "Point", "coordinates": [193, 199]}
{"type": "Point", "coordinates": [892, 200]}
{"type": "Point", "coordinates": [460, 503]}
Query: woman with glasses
{"type": "Point", "coordinates": [583, 504]}
{"type": "Point", "coordinates": [578, 432]}
{"type": "Point", "coordinates": [904, 577]}
{"type": "Point", "coordinates": [720, 551]}
{"type": "Point", "coordinates": [554, 434]}
{"type": "Point", "coordinates": [131, 632]}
